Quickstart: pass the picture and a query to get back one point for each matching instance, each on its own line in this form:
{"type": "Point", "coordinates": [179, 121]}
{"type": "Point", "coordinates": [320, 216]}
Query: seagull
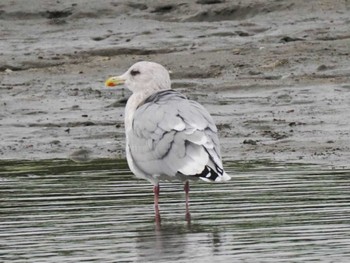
{"type": "Point", "coordinates": [168, 136]}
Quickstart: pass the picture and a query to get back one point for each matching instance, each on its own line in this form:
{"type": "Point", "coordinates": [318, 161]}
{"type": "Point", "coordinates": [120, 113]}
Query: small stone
{"type": "Point", "coordinates": [250, 141]}
{"type": "Point", "coordinates": [289, 39]}
{"type": "Point", "coordinates": [82, 155]}
{"type": "Point", "coordinates": [55, 142]}
{"type": "Point", "coordinates": [75, 107]}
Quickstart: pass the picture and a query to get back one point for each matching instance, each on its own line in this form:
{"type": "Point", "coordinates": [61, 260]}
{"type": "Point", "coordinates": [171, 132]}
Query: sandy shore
{"type": "Point", "coordinates": [274, 74]}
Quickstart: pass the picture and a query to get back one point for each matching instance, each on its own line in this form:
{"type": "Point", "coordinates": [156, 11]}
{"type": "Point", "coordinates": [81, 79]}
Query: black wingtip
{"type": "Point", "coordinates": [208, 174]}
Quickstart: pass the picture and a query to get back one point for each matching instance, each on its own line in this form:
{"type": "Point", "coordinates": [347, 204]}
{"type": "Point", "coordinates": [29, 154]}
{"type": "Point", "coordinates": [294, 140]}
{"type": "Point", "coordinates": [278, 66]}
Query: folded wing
{"type": "Point", "coordinates": [176, 138]}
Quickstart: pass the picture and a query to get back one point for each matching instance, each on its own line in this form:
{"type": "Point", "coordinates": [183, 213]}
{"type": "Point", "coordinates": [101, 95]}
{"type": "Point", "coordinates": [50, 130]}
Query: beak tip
{"type": "Point", "coordinates": [109, 84]}
{"type": "Point", "coordinates": [114, 81]}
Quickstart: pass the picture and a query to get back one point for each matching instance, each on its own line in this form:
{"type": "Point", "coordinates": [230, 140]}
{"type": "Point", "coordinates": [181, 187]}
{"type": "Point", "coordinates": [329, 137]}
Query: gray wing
{"type": "Point", "coordinates": [172, 135]}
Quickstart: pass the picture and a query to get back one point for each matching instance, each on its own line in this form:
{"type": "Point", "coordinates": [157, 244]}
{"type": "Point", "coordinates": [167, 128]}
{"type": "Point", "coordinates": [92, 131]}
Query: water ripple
{"type": "Point", "coordinates": [57, 211]}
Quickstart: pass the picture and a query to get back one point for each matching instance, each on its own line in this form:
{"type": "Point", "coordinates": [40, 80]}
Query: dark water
{"type": "Point", "coordinates": [58, 211]}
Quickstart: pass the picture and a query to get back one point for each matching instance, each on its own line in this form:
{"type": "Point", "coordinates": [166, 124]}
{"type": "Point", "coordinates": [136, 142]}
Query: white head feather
{"type": "Point", "coordinates": [146, 77]}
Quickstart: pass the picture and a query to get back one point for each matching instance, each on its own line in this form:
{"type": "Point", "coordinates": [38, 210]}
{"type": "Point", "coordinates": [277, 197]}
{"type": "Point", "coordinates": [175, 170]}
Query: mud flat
{"type": "Point", "coordinates": [274, 74]}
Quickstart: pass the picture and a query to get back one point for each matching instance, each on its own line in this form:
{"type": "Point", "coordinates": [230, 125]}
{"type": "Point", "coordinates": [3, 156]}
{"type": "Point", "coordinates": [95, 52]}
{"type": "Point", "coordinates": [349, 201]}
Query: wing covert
{"type": "Point", "coordinates": [171, 135]}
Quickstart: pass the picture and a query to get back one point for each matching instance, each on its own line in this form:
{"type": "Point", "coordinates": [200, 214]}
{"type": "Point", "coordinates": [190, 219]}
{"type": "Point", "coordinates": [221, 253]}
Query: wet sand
{"type": "Point", "coordinates": [274, 74]}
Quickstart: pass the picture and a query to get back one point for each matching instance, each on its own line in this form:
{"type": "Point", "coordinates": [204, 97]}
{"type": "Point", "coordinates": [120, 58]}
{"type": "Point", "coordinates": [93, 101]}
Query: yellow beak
{"type": "Point", "coordinates": [114, 81]}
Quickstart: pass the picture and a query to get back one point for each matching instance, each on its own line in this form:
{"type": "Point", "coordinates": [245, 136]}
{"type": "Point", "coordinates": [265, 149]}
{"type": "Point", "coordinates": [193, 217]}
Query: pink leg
{"type": "Point", "coordinates": [187, 191]}
{"type": "Point", "coordinates": [156, 207]}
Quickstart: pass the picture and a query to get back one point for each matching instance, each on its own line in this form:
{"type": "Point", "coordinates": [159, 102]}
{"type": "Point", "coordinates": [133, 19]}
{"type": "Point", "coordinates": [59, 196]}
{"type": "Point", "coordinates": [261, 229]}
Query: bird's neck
{"type": "Point", "coordinates": [133, 103]}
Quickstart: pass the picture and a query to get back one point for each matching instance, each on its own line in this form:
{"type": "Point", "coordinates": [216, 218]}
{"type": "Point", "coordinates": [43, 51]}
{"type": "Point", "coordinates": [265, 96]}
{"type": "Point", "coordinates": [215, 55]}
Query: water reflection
{"type": "Point", "coordinates": [58, 211]}
{"type": "Point", "coordinates": [177, 242]}
{"type": "Point", "coordinates": [166, 241]}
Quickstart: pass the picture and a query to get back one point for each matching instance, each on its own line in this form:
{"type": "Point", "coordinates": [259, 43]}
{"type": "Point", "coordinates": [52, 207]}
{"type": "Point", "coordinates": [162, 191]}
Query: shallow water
{"type": "Point", "coordinates": [58, 211]}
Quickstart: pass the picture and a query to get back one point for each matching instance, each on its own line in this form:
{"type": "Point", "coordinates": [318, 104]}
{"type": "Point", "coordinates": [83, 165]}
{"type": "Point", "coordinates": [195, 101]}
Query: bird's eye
{"type": "Point", "coordinates": [134, 72]}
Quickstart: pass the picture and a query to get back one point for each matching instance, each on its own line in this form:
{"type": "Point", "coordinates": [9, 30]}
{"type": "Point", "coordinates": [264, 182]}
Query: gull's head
{"type": "Point", "coordinates": [143, 76]}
